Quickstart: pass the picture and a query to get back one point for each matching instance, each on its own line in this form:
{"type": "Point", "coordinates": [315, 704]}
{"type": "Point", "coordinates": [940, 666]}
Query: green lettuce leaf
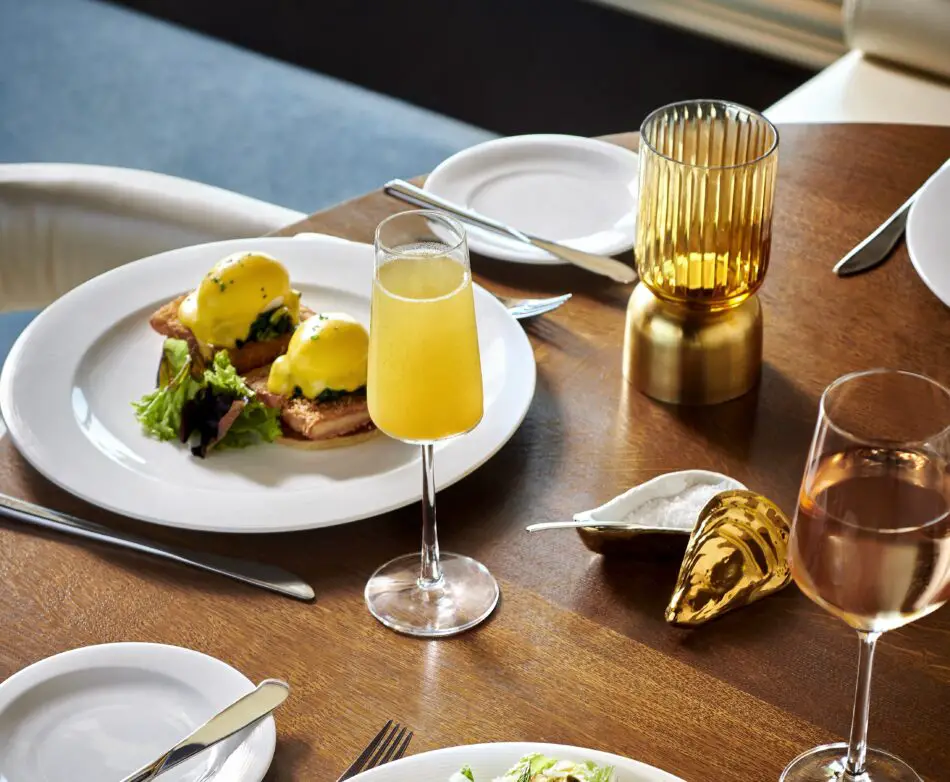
{"type": "Point", "coordinates": [540, 767]}
{"type": "Point", "coordinates": [256, 422]}
{"type": "Point", "coordinates": [159, 412]}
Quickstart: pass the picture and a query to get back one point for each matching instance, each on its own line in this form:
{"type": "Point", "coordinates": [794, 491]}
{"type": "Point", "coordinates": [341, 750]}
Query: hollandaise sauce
{"type": "Point", "coordinates": [234, 294]}
{"type": "Point", "coordinates": [327, 353]}
{"type": "Point", "coordinates": [425, 375]}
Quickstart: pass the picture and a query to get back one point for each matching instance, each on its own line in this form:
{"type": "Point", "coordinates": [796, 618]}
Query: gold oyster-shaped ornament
{"type": "Point", "coordinates": [736, 554]}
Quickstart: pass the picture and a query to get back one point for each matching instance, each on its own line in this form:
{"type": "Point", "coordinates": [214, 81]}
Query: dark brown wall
{"type": "Point", "coordinates": [511, 66]}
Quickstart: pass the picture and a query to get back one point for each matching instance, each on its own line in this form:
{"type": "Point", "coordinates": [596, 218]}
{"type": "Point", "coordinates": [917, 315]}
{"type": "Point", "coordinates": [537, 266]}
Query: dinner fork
{"type": "Point", "coordinates": [521, 309]}
{"type": "Point", "coordinates": [389, 744]}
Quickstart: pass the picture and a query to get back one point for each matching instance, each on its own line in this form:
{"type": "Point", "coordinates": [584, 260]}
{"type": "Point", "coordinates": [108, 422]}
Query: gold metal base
{"type": "Point", "coordinates": [691, 356]}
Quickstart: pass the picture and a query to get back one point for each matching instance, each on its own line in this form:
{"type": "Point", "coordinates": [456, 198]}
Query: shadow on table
{"type": "Point", "coordinates": [289, 758]}
{"type": "Point", "coordinates": [768, 431]}
{"type": "Point", "coordinates": [550, 280]}
{"type": "Point", "coordinates": [644, 587]}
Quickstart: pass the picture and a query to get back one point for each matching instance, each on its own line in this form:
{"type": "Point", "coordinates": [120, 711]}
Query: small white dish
{"type": "Point", "coordinates": [667, 485]}
{"type": "Point", "coordinates": [489, 761]}
{"type": "Point", "coordinates": [928, 234]}
{"type": "Point", "coordinates": [99, 713]}
{"type": "Point", "coordinates": [577, 191]}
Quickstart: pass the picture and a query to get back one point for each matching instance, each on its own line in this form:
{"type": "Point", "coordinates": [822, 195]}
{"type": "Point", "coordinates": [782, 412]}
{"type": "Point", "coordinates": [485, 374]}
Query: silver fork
{"type": "Point", "coordinates": [521, 309]}
{"type": "Point", "coordinates": [389, 744]}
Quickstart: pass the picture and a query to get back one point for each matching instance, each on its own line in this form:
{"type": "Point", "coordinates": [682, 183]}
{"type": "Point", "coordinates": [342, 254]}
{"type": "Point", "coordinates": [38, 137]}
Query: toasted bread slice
{"type": "Point", "coordinates": [250, 355]}
{"type": "Point", "coordinates": [341, 441]}
{"type": "Point", "coordinates": [309, 421]}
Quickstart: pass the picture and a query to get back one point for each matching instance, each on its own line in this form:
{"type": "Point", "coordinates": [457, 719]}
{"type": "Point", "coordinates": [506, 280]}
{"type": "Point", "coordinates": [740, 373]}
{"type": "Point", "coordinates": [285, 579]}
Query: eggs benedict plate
{"type": "Point", "coordinates": [240, 368]}
{"type": "Point", "coordinates": [66, 388]}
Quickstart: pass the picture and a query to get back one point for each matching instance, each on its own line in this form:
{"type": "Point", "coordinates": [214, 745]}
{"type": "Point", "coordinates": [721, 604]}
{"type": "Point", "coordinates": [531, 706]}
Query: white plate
{"type": "Point", "coordinates": [101, 712]}
{"type": "Point", "coordinates": [492, 760]}
{"type": "Point", "coordinates": [928, 234]}
{"type": "Point", "coordinates": [67, 385]}
{"type": "Point", "coordinates": [577, 191]}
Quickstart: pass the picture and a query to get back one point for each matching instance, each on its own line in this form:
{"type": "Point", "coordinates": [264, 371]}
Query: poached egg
{"type": "Point", "coordinates": [231, 296]}
{"type": "Point", "coordinates": [328, 351]}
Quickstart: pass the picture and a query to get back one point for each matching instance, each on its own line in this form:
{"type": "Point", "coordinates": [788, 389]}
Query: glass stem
{"type": "Point", "coordinates": [431, 574]}
{"type": "Point", "coordinates": [858, 742]}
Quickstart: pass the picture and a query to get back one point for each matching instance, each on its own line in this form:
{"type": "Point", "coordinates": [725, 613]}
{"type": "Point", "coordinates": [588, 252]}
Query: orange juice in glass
{"type": "Point", "coordinates": [425, 372]}
{"type": "Point", "coordinates": [425, 385]}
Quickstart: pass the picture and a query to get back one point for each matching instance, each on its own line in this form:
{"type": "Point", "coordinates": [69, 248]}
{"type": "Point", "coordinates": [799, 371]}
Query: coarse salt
{"type": "Point", "coordinates": [679, 511]}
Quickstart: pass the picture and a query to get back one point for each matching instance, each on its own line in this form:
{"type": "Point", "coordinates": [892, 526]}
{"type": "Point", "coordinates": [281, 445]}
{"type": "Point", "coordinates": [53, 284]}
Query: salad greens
{"type": "Point", "coordinates": [216, 405]}
{"type": "Point", "coordinates": [539, 768]}
{"type": "Point", "coordinates": [159, 412]}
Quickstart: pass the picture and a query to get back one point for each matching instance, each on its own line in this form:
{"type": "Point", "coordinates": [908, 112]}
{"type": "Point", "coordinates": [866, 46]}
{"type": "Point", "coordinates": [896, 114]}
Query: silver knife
{"type": "Point", "coordinates": [268, 577]}
{"type": "Point", "coordinates": [599, 264]}
{"type": "Point", "coordinates": [243, 713]}
{"type": "Point", "coordinates": [876, 248]}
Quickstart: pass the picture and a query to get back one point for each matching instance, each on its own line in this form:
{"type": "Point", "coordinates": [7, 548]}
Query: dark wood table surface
{"type": "Point", "coordinates": [578, 651]}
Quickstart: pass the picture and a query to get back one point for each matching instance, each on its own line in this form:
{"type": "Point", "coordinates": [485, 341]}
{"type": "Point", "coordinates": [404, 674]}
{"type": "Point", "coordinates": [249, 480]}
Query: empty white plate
{"type": "Point", "coordinates": [577, 191]}
{"type": "Point", "coordinates": [99, 713]}
{"type": "Point", "coordinates": [489, 761]}
{"type": "Point", "coordinates": [928, 234]}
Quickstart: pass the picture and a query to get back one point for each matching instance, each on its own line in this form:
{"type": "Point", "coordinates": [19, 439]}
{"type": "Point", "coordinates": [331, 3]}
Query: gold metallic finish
{"type": "Point", "coordinates": [634, 541]}
{"type": "Point", "coordinates": [737, 554]}
{"type": "Point", "coordinates": [689, 356]}
{"type": "Point", "coordinates": [704, 235]}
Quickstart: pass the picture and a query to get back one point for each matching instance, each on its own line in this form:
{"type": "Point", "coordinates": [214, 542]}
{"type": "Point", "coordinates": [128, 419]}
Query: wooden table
{"type": "Point", "coordinates": [578, 651]}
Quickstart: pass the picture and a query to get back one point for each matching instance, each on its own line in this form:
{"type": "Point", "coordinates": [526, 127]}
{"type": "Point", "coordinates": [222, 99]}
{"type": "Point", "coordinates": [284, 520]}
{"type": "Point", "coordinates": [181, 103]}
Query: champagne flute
{"type": "Point", "coordinates": [871, 539]}
{"type": "Point", "coordinates": [425, 386]}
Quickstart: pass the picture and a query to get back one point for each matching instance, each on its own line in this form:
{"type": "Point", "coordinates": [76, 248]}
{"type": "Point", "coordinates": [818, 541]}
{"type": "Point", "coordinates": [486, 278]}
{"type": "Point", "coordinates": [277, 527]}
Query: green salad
{"type": "Point", "coordinates": [210, 408]}
{"type": "Point", "coordinates": [539, 768]}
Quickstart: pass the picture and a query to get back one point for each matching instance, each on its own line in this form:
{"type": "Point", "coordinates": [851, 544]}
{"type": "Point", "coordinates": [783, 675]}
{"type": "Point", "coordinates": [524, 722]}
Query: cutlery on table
{"type": "Point", "coordinates": [243, 713]}
{"type": "Point", "coordinates": [599, 264]}
{"type": "Point", "coordinates": [389, 744]}
{"type": "Point", "coordinates": [876, 248]}
{"type": "Point", "coordinates": [521, 309]}
{"type": "Point", "coordinates": [265, 576]}
{"type": "Point", "coordinates": [589, 524]}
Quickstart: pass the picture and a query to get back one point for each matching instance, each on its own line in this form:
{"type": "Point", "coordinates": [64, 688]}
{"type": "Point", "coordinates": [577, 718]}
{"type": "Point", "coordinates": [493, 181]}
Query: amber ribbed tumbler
{"type": "Point", "coordinates": [707, 179]}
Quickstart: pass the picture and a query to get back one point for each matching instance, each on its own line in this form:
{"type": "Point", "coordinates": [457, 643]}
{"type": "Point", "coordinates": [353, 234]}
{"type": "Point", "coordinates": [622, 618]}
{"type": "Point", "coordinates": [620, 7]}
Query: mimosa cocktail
{"type": "Point", "coordinates": [425, 376]}
{"type": "Point", "coordinates": [425, 385]}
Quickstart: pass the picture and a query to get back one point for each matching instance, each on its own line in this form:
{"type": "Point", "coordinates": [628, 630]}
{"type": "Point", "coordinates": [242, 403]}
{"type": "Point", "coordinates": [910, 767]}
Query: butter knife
{"type": "Point", "coordinates": [876, 248]}
{"type": "Point", "coordinates": [599, 264]}
{"type": "Point", "coordinates": [268, 577]}
{"type": "Point", "coordinates": [243, 713]}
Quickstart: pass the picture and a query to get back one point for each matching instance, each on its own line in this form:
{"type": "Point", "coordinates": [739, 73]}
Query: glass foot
{"type": "Point", "coordinates": [826, 764]}
{"type": "Point", "coordinates": [467, 594]}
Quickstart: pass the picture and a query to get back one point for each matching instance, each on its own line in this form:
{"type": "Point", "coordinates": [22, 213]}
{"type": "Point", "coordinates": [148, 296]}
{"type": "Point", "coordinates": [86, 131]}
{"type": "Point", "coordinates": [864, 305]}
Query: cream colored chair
{"type": "Point", "coordinates": [61, 224]}
{"type": "Point", "coordinates": [898, 69]}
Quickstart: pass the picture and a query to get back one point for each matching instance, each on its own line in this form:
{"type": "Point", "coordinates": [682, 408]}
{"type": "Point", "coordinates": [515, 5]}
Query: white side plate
{"type": "Point", "coordinates": [489, 761]}
{"type": "Point", "coordinates": [928, 235]}
{"type": "Point", "coordinates": [578, 191]}
{"type": "Point", "coordinates": [67, 387]}
{"type": "Point", "coordinates": [101, 712]}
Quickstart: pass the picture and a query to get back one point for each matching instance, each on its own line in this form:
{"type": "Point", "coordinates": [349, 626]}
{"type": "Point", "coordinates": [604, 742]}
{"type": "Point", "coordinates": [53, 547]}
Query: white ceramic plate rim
{"type": "Point", "coordinates": [261, 741]}
{"type": "Point", "coordinates": [511, 250]}
{"type": "Point", "coordinates": [36, 400]}
{"type": "Point", "coordinates": [927, 226]}
{"type": "Point", "coordinates": [502, 756]}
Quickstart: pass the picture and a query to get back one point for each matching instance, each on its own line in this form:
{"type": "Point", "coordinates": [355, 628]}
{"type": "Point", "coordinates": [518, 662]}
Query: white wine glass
{"type": "Point", "coordinates": [425, 386]}
{"type": "Point", "coordinates": [871, 538]}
